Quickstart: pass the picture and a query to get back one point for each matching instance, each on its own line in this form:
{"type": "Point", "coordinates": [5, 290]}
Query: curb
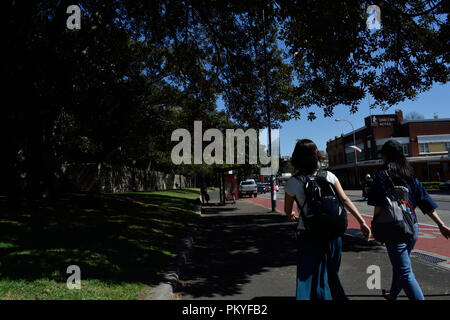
{"type": "Point", "coordinates": [165, 290]}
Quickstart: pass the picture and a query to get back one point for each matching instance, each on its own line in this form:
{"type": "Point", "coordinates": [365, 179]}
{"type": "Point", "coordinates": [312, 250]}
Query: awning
{"type": "Point", "coordinates": [434, 138]}
{"type": "Point", "coordinates": [402, 140]}
{"type": "Point", "coordinates": [378, 162]}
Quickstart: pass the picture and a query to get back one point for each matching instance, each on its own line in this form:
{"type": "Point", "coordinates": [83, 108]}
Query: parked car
{"type": "Point", "coordinates": [268, 187]}
{"type": "Point", "coordinates": [248, 187]}
{"type": "Point", "coordinates": [262, 188]}
{"type": "Point", "coordinates": [445, 185]}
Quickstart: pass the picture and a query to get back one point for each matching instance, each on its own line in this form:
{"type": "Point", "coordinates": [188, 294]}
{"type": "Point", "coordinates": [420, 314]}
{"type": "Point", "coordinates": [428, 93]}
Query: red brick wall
{"type": "Point", "coordinates": [425, 128]}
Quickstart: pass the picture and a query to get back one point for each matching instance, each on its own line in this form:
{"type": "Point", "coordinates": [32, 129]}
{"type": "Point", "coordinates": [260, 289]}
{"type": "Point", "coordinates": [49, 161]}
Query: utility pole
{"type": "Point", "coordinates": [273, 195]}
{"type": "Point", "coordinates": [356, 155]}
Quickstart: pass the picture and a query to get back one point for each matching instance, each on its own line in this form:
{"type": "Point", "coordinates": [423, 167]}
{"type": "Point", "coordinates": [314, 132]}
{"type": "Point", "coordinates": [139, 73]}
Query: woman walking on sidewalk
{"type": "Point", "coordinates": [318, 260]}
{"type": "Point", "coordinates": [398, 170]}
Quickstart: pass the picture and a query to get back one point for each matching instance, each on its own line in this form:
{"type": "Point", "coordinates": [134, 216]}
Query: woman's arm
{"type": "Point", "coordinates": [428, 206]}
{"type": "Point", "coordinates": [288, 204]}
{"type": "Point", "coordinates": [442, 227]}
{"type": "Point", "coordinates": [353, 210]}
{"type": "Point", "coordinates": [376, 210]}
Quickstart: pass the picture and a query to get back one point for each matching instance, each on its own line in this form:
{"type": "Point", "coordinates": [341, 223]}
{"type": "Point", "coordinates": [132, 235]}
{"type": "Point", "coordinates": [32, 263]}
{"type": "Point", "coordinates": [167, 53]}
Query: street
{"type": "Point", "coordinates": [430, 241]}
{"type": "Point", "coordinates": [440, 197]}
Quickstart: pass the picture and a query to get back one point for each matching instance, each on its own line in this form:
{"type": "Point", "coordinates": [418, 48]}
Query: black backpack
{"type": "Point", "coordinates": [325, 217]}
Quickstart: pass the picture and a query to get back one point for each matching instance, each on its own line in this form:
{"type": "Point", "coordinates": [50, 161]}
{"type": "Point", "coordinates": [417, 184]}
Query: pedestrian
{"type": "Point", "coordinates": [318, 261]}
{"type": "Point", "coordinates": [398, 172]}
{"type": "Point", "coordinates": [367, 184]}
{"type": "Point", "coordinates": [232, 191]}
{"type": "Point", "coordinates": [204, 192]}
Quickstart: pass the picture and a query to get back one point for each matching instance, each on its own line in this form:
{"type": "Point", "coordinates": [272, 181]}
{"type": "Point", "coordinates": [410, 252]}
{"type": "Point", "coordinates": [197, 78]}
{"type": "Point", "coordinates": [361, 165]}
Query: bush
{"type": "Point", "coordinates": [431, 184]}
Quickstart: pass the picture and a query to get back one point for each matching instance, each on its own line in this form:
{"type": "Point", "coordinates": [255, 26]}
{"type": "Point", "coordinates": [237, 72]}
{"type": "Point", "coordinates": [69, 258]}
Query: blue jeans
{"type": "Point", "coordinates": [317, 269]}
{"type": "Point", "coordinates": [403, 276]}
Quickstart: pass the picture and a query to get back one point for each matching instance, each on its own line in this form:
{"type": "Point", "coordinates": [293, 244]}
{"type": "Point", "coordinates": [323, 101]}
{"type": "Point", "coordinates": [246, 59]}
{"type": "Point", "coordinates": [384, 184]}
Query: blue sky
{"type": "Point", "coordinates": [434, 101]}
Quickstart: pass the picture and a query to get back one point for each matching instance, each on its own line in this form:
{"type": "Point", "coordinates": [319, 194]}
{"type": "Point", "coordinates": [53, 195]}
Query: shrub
{"type": "Point", "coordinates": [431, 184]}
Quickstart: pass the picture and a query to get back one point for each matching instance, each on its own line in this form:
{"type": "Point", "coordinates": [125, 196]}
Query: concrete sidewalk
{"type": "Point", "coordinates": [243, 251]}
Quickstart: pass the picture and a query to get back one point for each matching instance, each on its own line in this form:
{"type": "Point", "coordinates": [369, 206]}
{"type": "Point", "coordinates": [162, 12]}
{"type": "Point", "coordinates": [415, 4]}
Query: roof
{"type": "Point", "coordinates": [425, 120]}
{"type": "Point", "coordinates": [357, 130]}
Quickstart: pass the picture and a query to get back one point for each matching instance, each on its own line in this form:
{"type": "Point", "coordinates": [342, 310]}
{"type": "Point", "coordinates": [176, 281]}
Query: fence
{"type": "Point", "coordinates": [107, 178]}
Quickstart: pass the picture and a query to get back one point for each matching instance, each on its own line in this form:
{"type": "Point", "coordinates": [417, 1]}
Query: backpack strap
{"type": "Point", "coordinates": [322, 174]}
{"type": "Point", "coordinates": [302, 179]}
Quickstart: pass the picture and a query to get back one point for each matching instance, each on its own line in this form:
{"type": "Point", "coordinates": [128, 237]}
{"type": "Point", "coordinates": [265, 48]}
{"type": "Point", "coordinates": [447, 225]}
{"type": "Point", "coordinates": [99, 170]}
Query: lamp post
{"type": "Point", "coordinates": [356, 156]}
{"type": "Point", "coordinates": [272, 184]}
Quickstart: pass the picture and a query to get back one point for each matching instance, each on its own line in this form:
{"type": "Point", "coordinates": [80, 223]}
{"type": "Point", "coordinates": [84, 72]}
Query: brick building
{"type": "Point", "coordinates": [426, 144]}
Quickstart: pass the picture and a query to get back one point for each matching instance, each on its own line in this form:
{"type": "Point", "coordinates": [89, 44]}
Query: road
{"type": "Point", "coordinates": [430, 239]}
{"type": "Point", "coordinates": [441, 198]}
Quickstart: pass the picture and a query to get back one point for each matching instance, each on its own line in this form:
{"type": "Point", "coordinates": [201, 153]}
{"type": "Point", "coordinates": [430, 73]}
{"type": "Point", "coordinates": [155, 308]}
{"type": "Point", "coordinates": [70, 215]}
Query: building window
{"type": "Point", "coordinates": [405, 149]}
{"type": "Point", "coordinates": [424, 148]}
{"type": "Point", "coordinates": [379, 156]}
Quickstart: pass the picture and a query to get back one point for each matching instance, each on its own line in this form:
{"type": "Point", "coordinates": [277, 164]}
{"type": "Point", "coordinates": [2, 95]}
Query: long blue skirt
{"type": "Point", "coordinates": [317, 269]}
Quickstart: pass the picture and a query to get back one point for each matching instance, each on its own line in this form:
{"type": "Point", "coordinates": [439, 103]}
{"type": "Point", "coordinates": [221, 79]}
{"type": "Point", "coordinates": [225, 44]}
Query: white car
{"type": "Point", "coordinates": [248, 187]}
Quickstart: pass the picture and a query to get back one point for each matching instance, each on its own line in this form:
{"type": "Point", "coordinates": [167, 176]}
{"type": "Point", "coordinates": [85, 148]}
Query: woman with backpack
{"type": "Point", "coordinates": [319, 257]}
{"type": "Point", "coordinates": [397, 172]}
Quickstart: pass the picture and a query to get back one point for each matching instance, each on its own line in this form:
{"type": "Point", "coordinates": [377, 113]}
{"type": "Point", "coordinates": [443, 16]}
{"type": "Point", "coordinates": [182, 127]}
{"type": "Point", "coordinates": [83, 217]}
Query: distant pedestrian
{"type": "Point", "coordinates": [318, 257]}
{"type": "Point", "coordinates": [232, 192]}
{"type": "Point", "coordinates": [397, 172]}
{"type": "Point", "coordinates": [204, 193]}
{"type": "Point", "coordinates": [366, 187]}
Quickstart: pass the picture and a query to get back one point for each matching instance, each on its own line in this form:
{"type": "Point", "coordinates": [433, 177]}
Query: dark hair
{"type": "Point", "coordinates": [396, 163]}
{"type": "Point", "coordinates": [306, 156]}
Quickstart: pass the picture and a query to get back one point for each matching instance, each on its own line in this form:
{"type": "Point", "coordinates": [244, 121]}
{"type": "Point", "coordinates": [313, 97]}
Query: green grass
{"type": "Point", "coordinates": [121, 242]}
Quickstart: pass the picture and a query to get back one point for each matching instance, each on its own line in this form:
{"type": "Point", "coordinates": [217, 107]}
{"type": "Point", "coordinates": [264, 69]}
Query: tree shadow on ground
{"type": "Point", "coordinates": [216, 209]}
{"type": "Point", "coordinates": [115, 238]}
{"type": "Point", "coordinates": [357, 244]}
{"type": "Point", "coordinates": [231, 248]}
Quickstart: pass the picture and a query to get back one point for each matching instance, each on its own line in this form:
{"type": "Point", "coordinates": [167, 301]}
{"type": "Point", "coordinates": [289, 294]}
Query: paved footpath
{"type": "Point", "coordinates": [430, 242]}
{"type": "Point", "coordinates": [243, 251]}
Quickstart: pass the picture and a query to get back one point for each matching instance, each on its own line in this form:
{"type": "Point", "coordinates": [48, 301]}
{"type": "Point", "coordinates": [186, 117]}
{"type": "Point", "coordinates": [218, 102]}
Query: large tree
{"type": "Point", "coordinates": [114, 90]}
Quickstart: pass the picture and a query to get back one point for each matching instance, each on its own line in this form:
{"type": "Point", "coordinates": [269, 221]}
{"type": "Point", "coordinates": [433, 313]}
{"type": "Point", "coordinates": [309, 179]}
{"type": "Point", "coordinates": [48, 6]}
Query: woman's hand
{"type": "Point", "coordinates": [365, 229]}
{"type": "Point", "coordinates": [288, 204]}
{"type": "Point", "coordinates": [291, 217]}
{"type": "Point", "coordinates": [445, 231]}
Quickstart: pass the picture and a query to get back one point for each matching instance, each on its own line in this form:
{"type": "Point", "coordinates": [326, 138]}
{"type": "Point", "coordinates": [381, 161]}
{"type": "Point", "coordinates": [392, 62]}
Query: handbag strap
{"type": "Point", "coordinates": [389, 178]}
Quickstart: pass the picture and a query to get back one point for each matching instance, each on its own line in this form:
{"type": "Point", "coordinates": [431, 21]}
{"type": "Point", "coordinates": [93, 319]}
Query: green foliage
{"type": "Point", "coordinates": [431, 185]}
{"type": "Point", "coordinates": [116, 89]}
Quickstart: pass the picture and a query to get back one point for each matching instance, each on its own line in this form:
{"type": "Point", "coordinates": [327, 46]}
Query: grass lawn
{"type": "Point", "coordinates": [121, 242]}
